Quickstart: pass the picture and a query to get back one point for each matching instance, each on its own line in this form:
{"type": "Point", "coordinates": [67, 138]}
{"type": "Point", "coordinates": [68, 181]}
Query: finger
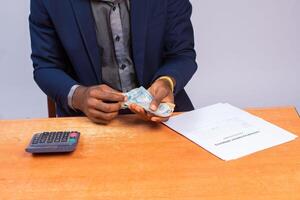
{"type": "Point", "coordinates": [108, 107]}
{"type": "Point", "coordinates": [149, 115]}
{"type": "Point", "coordinates": [111, 96]}
{"type": "Point", "coordinates": [97, 104]}
{"type": "Point", "coordinates": [159, 119]}
{"type": "Point", "coordinates": [136, 108]}
{"type": "Point", "coordinates": [133, 109]}
{"type": "Point", "coordinates": [157, 98]}
{"type": "Point", "coordinates": [143, 117]}
{"type": "Point", "coordinates": [156, 118]}
{"type": "Point", "coordinates": [98, 121]}
{"type": "Point", "coordinates": [102, 116]}
{"type": "Point", "coordinates": [139, 111]}
{"type": "Point", "coordinates": [106, 95]}
{"type": "Point", "coordinates": [108, 89]}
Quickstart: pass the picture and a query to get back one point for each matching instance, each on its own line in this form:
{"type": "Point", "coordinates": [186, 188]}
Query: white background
{"type": "Point", "coordinates": [248, 55]}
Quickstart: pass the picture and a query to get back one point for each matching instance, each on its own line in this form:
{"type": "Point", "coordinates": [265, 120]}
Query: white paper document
{"type": "Point", "coordinates": [228, 132]}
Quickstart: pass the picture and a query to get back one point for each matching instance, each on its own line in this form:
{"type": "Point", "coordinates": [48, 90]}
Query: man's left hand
{"type": "Point", "coordinates": [161, 90]}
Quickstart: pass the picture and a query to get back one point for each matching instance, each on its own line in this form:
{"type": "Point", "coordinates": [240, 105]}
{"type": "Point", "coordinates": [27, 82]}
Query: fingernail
{"type": "Point", "coordinates": [153, 119]}
{"type": "Point", "coordinates": [153, 107]}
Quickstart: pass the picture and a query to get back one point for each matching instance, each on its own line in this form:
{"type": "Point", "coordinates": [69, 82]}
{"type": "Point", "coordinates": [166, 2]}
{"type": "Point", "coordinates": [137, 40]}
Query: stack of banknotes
{"type": "Point", "coordinates": [142, 97]}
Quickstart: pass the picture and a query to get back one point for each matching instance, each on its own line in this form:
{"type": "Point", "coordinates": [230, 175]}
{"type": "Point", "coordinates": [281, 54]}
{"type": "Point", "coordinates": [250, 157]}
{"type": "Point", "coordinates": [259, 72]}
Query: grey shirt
{"type": "Point", "coordinates": [112, 25]}
{"type": "Point", "coordinates": [112, 21]}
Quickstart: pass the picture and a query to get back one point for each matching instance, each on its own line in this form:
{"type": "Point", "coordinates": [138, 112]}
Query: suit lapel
{"type": "Point", "coordinates": [85, 20]}
{"type": "Point", "coordinates": [138, 32]}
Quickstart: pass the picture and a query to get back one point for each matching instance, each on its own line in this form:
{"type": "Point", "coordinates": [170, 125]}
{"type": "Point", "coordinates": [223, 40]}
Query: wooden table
{"type": "Point", "coordinates": [132, 159]}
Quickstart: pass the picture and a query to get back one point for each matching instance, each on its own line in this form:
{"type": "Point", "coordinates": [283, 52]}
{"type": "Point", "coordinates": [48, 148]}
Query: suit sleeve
{"type": "Point", "coordinates": [179, 53]}
{"type": "Point", "coordinates": [50, 62]}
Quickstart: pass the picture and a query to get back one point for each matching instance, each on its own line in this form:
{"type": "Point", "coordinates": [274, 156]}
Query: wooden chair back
{"type": "Point", "coordinates": [51, 108]}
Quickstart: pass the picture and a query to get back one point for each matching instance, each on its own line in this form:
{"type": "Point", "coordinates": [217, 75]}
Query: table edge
{"type": "Point", "coordinates": [246, 109]}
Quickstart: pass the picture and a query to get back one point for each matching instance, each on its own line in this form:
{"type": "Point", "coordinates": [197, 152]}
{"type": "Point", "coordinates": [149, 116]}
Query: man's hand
{"type": "Point", "coordinates": [99, 103]}
{"type": "Point", "coordinates": [162, 92]}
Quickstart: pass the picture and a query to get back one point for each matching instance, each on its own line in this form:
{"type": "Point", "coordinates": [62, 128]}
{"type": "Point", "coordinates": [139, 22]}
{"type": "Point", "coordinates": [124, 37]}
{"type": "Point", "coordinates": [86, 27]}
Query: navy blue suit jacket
{"type": "Point", "coordinates": [65, 51]}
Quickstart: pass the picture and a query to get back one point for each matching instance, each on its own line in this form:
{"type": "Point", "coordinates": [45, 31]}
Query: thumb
{"type": "Point", "coordinates": [157, 98]}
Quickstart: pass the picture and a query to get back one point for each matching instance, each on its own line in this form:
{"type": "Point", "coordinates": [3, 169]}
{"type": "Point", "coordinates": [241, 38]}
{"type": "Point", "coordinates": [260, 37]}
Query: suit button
{"type": "Point", "coordinates": [123, 66]}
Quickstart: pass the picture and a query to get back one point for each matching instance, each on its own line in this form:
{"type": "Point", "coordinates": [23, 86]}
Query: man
{"type": "Point", "coordinates": [86, 53]}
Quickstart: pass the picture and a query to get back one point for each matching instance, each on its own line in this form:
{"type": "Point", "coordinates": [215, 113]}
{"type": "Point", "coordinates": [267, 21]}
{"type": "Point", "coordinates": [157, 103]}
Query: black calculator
{"type": "Point", "coordinates": [53, 142]}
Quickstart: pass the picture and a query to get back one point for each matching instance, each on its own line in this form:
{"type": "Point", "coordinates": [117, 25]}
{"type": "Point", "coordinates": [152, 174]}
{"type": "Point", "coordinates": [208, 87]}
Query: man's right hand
{"type": "Point", "coordinates": [99, 103]}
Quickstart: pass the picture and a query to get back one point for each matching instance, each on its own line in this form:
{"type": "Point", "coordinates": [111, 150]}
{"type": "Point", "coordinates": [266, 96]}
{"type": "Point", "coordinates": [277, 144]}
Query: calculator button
{"type": "Point", "coordinates": [43, 137]}
{"type": "Point", "coordinates": [35, 139]}
{"type": "Point", "coordinates": [73, 134]}
{"type": "Point", "coordinates": [58, 136]}
{"type": "Point", "coordinates": [54, 135]}
{"type": "Point", "coordinates": [65, 137]}
{"type": "Point", "coordinates": [50, 138]}
{"type": "Point", "coordinates": [45, 134]}
{"type": "Point", "coordinates": [43, 140]}
{"type": "Point", "coordinates": [72, 140]}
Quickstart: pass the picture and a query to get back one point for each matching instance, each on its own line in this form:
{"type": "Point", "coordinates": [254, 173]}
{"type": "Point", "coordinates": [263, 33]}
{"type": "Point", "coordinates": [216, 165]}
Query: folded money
{"type": "Point", "coordinates": [142, 97]}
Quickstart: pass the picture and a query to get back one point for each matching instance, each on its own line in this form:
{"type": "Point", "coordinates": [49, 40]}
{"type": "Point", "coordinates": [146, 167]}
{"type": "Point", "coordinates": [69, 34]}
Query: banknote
{"type": "Point", "coordinates": [143, 98]}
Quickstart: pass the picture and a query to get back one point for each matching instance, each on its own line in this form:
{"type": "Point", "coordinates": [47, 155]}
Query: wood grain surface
{"type": "Point", "coordinates": [133, 159]}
